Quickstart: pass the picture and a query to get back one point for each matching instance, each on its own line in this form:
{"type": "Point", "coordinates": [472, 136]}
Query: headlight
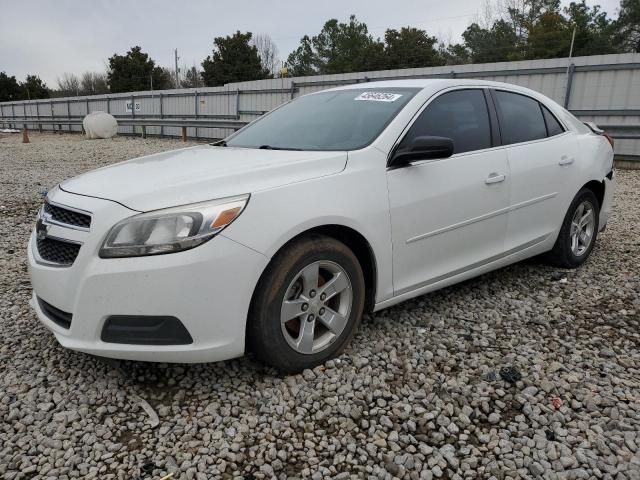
{"type": "Point", "coordinates": [172, 229]}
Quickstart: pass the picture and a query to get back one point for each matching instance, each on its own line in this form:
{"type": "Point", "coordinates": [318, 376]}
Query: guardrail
{"type": "Point", "coordinates": [127, 121]}
{"type": "Point", "coordinates": [182, 122]}
{"type": "Point", "coordinates": [617, 131]}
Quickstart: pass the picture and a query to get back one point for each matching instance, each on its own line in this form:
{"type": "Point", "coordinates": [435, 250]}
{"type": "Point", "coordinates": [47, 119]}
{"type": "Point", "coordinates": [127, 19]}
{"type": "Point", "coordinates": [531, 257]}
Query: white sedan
{"type": "Point", "coordinates": [276, 240]}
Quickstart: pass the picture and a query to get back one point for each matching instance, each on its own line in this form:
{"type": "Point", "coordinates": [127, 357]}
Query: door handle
{"type": "Point", "coordinates": [495, 178]}
{"type": "Point", "coordinates": [564, 160]}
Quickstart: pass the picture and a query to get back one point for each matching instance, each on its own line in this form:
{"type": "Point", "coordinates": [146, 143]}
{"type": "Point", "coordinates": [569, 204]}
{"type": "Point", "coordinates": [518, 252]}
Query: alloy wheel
{"type": "Point", "coordinates": [316, 307]}
{"type": "Point", "coordinates": [582, 228]}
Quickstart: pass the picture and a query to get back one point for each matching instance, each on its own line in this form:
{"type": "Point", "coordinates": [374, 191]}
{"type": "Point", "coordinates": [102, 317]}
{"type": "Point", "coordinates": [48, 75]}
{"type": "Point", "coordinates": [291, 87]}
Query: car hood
{"type": "Point", "coordinates": [201, 173]}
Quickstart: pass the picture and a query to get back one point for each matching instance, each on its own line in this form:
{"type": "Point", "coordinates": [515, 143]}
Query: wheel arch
{"type": "Point", "coordinates": [358, 244]}
{"type": "Point", "coordinates": [598, 188]}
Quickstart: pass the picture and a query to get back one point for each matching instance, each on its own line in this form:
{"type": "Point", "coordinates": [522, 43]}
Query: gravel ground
{"type": "Point", "coordinates": [528, 372]}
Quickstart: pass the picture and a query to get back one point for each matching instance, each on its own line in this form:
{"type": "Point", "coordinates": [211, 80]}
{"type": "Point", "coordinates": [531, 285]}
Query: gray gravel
{"type": "Point", "coordinates": [528, 372]}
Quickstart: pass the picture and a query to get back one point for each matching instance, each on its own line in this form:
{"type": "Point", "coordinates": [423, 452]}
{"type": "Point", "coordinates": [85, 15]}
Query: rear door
{"type": "Point", "coordinates": [540, 152]}
{"type": "Point", "coordinates": [449, 215]}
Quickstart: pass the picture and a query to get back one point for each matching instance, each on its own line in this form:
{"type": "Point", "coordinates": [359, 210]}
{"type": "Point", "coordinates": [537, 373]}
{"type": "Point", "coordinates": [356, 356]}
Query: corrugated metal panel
{"type": "Point", "coordinates": [98, 105]}
{"type": "Point", "coordinates": [215, 104]}
{"type": "Point", "coordinates": [60, 109]}
{"type": "Point", "coordinates": [601, 82]}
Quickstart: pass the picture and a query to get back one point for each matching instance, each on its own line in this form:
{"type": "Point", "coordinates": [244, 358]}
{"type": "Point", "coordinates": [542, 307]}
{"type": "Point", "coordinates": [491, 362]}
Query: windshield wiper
{"type": "Point", "coordinates": [219, 143]}
{"type": "Point", "coordinates": [269, 147]}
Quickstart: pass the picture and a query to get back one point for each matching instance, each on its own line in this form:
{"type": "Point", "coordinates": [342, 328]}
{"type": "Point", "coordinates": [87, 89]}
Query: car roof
{"type": "Point", "coordinates": [435, 84]}
{"type": "Point", "coordinates": [430, 86]}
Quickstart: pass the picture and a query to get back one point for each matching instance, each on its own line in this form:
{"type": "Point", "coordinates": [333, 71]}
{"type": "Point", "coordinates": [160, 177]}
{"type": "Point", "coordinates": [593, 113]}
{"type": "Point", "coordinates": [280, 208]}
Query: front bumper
{"type": "Point", "coordinates": [207, 288]}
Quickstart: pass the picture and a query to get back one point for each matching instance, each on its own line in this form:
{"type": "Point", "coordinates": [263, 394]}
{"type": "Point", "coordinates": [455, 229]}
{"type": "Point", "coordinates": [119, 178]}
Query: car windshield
{"type": "Point", "coordinates": [338, 120]}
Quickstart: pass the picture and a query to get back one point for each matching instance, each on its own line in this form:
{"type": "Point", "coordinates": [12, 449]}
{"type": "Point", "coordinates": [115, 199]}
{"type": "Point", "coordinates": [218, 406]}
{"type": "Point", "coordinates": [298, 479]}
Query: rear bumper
{"type": "Point", "coordinates": [607, 202]}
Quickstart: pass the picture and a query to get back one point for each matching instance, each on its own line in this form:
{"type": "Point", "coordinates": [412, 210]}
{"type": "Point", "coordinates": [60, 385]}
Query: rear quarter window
{"type": "Point", "coordinates": [553, 126]}
{"type": "Point", "coordinates": [521, 118]}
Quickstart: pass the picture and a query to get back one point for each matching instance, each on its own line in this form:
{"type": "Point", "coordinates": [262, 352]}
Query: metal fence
{"type": "Point", "coordinates": [604, 89]}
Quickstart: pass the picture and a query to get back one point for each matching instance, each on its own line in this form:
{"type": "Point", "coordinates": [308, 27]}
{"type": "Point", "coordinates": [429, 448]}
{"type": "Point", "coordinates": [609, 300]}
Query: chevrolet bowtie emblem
{"type": "Point", "coordinates": [41, 228]}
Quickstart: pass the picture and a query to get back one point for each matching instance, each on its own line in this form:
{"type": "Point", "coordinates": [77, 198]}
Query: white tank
{"type": "Point", "coordinates": [100, 125]}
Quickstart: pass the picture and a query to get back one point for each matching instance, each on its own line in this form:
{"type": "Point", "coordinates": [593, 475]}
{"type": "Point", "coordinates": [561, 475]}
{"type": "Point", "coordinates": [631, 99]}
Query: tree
{"type": "Point", "coordinates": [94, 83]}
{"type": "Point", "coordinates": [170, 76]}
{"type": "Point", "coordinates": [33, 88]}
{"type": "Point", "coordinates": [549, 37]}
{"type": "Point", "coordinates": [68, 85]}
{"type": "Point", "coordinates": [594, 30]}
{"type": "Point", "coordinates": [628, 26]}
{"type": "Point", "coordinates": [410, 47]}
{"type": "Point", "coordinates": [187, 77]}
{"type": "Point", "coordinates": [192, 78]}
{"type": "Point", "coordinates": [233, 59]}
{"type": "Point", "coordinates": [301, 62]}
{"type": "Point", "coordinates": [453, 54]}
{"type": "Point", "coordinates": [347, 47]}
{"type": "Point", "coordinates": [9, 88]}
{"type": "Point", "coordinates": [268, 52]}
{"type": "Point", "coordinates": [89, 83]}
{"type": "Point", "coordinates": [498, 44]}
{"type": "Point", "coordinates": [523, 14]}
{"type": "Point", "coordinates": [134, 72]}
{"type": "Point", "coordinates": [544, 32]}
{"type": "Point", "coordinates": [338, 48]}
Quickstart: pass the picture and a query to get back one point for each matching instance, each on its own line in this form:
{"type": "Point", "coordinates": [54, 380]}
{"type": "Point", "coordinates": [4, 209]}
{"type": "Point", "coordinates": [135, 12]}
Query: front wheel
{"type": "Point", "coordinates": [578, 233]}
{"type": "Point", "coordinates": [307, 305]}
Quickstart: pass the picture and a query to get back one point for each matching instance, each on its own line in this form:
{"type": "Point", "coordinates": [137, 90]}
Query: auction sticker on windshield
{"type": "Point", "coordinates": [378, 96]}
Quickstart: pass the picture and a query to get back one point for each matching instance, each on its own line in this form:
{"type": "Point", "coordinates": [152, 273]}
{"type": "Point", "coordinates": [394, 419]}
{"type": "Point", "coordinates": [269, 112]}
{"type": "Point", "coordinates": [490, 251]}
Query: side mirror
{"type": "Point", "coordinates": [423, 148]}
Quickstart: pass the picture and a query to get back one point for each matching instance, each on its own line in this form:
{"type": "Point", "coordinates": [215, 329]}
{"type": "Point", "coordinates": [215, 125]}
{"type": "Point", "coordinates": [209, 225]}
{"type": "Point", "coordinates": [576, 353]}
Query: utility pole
{"type": "Point", "coordinates": [573, 39]}
{"type": "Point", "coordinates": [177, 71]}
{"type": "Point", "coordinates": [570, 68]}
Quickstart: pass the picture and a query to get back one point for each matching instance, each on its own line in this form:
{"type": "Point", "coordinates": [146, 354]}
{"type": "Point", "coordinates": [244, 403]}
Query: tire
{"type": "Point", "coordinates": [289, 278]}
{"type": "Point", "coordinates": [564, 254]}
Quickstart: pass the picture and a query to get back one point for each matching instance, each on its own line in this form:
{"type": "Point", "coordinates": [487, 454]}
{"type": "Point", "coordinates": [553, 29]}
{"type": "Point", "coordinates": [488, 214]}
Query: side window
{"type": "Point", "coordinates": [521, 118]}
{"type": "Point", "coordinates": [553, 126]}
{"type": "Point", "coordinates": [460, 115]}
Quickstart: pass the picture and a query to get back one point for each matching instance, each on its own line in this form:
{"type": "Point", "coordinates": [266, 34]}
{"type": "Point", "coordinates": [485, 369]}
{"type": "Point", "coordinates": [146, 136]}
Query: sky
{"type": "Point", "coordinates": [49, 38]}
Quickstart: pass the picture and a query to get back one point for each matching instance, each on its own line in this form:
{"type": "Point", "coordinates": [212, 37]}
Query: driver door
{"type": "Point", "coordinates": [449, 215]}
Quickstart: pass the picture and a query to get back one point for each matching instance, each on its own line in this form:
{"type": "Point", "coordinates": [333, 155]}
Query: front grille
{"type": "Point", "coordinates": [57, 251]}
{"type": "Point", "coordinates": [54, 314]}
{"type": "Point", "coordinates": [70, 217]}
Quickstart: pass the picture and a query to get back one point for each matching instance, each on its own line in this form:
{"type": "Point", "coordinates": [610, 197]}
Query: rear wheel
{"type": "Point", "coordinates": [307, 305]}
{"type": "Point", "coordinates": [578, 233]}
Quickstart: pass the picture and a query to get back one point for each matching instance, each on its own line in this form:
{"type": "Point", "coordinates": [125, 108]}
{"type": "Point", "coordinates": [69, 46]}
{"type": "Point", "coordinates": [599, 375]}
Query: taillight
{"type": "Point", "coordinates": [609, 139]}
